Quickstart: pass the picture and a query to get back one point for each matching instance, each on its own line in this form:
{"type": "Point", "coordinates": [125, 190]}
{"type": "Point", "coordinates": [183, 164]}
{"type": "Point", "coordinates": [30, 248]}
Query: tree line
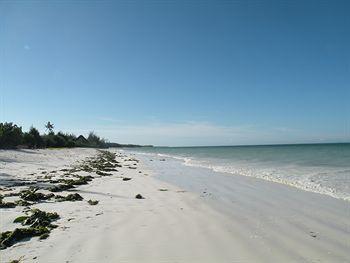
{"type": "Point", "coordinates": [12, 136]}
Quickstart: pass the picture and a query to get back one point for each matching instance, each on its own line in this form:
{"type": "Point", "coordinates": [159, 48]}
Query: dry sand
{"type": "Point", "coordinates": [167, 226]}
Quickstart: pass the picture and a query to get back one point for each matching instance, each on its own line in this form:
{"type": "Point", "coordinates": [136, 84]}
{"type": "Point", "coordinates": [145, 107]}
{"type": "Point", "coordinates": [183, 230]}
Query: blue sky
{"type": "Point", "coordinates": [179, 72]}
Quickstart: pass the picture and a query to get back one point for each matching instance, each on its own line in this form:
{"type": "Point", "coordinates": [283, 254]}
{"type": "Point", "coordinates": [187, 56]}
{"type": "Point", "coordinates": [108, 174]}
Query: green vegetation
{"type": "Point", "coordinates": [39, 224]}
{"type": "Point", "coordinates": [33, 139]}
{"type": "Point", "coordinates": [32, 195]}
{"type": "Point", "coordinates": [80, 181]}
{"type": "Point", "coordinates": [103, 173]}
{"type": "Point", "coordinates": [61, 187]}
{"type": "Point", "coordinates": [9, 238]}
{"type": "Point", "coordinates": [12, 136]}
{"type": "Point", "coordinates": [70, 197]}
{"type": "Point", "coordinates": [95, 141]}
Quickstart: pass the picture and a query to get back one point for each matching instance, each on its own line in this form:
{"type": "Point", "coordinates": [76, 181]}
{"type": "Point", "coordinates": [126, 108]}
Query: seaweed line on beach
{"type": "Point", "coordinates": [39, 223]}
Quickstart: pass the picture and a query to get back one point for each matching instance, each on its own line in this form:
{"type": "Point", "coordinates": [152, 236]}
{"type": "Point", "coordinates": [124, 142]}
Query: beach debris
{"type": "Point", "coordinates": [111, 169]}
{"type": "Point", "coordinates": [131, 167]}
{"type": "Point", "coordinates": [19, 183]}
{"type": "Point", "coordinates": [44, 236]}
{"type": "Point", "coordinates": [17, 260]}
{"type": "Point", "coordinates": [20, 219]}
{"type": "Point", "coordinates": [163, 189]}
{"type": "Point", "coordinates": [61, 187]}
{"type": "Point", "coordinates": [80, 181]}
{"type": "Point", "coordinates": [126, 178]}
{"type": "Point", "coordinates": [12, 194]}
{"type": "Point", "coordinates": [103, 173]}
{"type": "Point", "coordinates": [38, 218]}
{"type": "Point", "coordinates": [162, 160]}
{"type": "Point", "coordinates": [139, 196]}
{"type": "Point", "coordinates": [70, 197]}
{"type": "Point", "coordinates": [9, 238]}
{"type": "Point", "coordinates": [313, 234]}
{"type": "Point", "coordinates": [6, 204]}
{"type": "Point", "coordinates": [39, 222]}
{"type": "Point", "coordinates": [32, 195]}
{"type": "Point", "coordinates": [105, 161]}
{"type": "Point", "coordinates": [92, 202]}
{"type": "Point", "coordinates": [131, 160]}
{"type": "Point", "coordinates": [87, 168]}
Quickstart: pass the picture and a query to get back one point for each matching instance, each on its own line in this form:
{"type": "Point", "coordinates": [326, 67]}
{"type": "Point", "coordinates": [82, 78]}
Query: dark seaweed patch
{"type": "Point", "coordinates": [70, 197]}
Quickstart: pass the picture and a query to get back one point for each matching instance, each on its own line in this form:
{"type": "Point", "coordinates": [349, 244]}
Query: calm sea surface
{"type": "Point", "coordinates": [321, 168]}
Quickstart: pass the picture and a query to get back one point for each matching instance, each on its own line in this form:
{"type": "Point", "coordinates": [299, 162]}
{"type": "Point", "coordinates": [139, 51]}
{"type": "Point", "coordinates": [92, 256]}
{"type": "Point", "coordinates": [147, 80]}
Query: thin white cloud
{"type": "Point", "coordinates": [183, 133]}
{"type": "Point", "coordinates": [193, 133]}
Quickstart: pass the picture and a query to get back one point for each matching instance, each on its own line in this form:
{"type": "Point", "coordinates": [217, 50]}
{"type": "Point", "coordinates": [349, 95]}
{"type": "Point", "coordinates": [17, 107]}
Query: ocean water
{"type": "Point", "coordinates": [320, 168]}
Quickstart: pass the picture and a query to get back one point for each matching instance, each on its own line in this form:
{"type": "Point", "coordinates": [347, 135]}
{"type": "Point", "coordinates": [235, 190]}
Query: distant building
{"type": "Point", "coordinates": [81, 140]}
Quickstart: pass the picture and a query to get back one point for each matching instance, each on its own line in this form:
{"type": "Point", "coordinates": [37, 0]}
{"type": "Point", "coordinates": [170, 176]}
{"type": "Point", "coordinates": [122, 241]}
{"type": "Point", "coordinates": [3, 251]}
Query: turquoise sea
{"type": "Point", "coordinates": [321, 168]}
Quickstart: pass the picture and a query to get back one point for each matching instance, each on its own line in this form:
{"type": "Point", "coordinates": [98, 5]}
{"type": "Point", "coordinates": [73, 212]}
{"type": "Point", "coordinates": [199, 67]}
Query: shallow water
{"type": "Point", "coordinates": [321, 168]}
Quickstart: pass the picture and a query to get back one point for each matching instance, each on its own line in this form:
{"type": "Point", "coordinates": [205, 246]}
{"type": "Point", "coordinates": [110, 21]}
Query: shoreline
{"type": "Point", "coordinates": [305, 185]}
{"type": "Point", "coordinates": [236, 219]}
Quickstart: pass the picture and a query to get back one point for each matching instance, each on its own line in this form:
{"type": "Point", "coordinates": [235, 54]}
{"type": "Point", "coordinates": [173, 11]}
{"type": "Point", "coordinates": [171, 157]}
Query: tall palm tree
{"type": "Point", "coordinates": [49, 127]}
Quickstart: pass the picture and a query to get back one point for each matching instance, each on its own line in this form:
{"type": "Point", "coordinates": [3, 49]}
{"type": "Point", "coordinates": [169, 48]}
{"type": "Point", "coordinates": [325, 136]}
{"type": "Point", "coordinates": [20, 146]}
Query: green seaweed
{"type": "Point", "coordinates": [61, 187]}
{"type": "Point", "coordinates": [40, 218]}
{"type": "Point", "coordinates": [9, 238]}
{"type": "Point", "coordinates": [44, 236]}
{"type": "Point", "coordinates": [126, 178]}
{"type": "Point", "coordinates": [103, 173]}
{"type": "Point", "coordinates": [109, 170]}
{"type": "Point", "coordinates": [7, 205]}
{"type": "Point", "coordinates": [23, 203]}
{"type": "Point", "coordinates": [139, 196]}
{"type": "Point", "coordinates": [70, 197]}
{"type": "Point", "coordinates": [20, 219]}
{"type": "Point", "coordinates": [80, 181]}
{"type": "Point", "coordinates": [92, 202]}
{"type": "Point", "coordinates": [32, 195]}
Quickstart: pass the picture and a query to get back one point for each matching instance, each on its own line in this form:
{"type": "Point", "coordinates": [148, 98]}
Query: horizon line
{"type": "Point", "coordinates": [247, 145]}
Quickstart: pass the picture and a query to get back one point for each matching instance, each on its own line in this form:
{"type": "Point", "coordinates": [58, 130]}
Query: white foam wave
{"type": "Point", "coordinates": [290, 176]}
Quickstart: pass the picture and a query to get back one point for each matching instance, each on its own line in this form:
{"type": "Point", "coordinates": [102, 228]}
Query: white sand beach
{"type": "Point", "coordinates": [186, 215]}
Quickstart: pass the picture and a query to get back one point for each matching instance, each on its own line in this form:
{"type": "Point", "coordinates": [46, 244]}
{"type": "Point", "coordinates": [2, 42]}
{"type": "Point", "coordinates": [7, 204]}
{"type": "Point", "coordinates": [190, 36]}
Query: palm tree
{"type": "Point", "coordinates": [49, 127]}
